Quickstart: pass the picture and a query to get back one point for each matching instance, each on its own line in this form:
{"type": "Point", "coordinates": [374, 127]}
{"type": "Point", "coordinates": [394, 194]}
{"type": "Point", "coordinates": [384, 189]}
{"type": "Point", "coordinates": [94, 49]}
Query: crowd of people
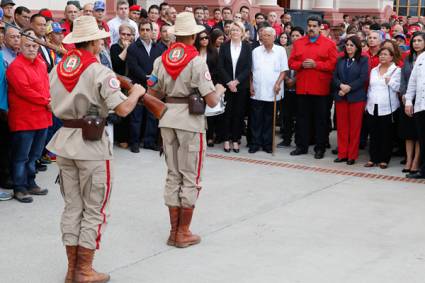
{"type": "Point", "coordinates": [275, 73]}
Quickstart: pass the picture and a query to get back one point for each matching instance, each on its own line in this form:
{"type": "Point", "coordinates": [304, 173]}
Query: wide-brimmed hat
{"type": "Point", "coordinates": [185, 25]}
{"type": "Point", "coordinates": [85, 29]}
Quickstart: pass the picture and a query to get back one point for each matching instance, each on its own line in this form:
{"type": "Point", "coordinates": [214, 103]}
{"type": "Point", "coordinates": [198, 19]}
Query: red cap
{"type": "Point", "coordinates": [326, 26]}
{"type": "Point", "coordinates": [394, 17]}
{"type": "Point", "coordinates": [47, 14]}
{"type": "Point", "coordinates": [135, 8]}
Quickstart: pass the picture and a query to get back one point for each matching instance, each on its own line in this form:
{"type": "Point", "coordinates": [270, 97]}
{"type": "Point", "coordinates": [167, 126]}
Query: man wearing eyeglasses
{"type": "Point", "coordinates": [140, 57]}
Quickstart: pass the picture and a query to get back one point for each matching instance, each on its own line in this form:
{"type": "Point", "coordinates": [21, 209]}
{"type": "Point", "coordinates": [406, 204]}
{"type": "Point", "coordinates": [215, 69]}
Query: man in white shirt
{"type": "Point", "coordinates": [122, 17]}
{"type": "Point", "coordinates": [416, 90]}
{"type": "Point", "coordinates": [269, 64]}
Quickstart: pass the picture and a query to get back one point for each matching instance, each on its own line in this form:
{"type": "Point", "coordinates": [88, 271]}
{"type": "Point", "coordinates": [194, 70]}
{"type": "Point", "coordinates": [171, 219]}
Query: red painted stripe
{"type": "Point", "coordinates": [108, 191]}
{"type": "Point", "coordinates": [201, 148]}
{"type": "Point", "coordinates": [317, 169]}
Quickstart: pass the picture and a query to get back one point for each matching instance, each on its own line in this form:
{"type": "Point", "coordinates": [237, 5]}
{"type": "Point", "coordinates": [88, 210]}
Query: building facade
{"type": "Point", "coordinates": [333, 9]}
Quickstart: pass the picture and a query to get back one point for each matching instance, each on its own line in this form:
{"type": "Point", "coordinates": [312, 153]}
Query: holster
{"type": "Point", "coordinates": [92, 127]}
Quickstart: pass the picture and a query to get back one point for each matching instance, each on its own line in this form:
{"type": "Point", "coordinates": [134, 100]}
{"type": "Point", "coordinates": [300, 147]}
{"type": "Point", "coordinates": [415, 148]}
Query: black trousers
{"type": "Point", "coordinates": [233, 115]}
{"type": "Point", "coordinates": [289, 112]}
{"type": "Point", "coordinates": [5, 150]}
{"type": "Point", "coordinates": [261, 124]}
{"type": "Point", "coordinates": [420, 124]}
{"type": "Point", "coordinates": [381, 133]}
{"type": "Point", "coordinates": [312, 108]}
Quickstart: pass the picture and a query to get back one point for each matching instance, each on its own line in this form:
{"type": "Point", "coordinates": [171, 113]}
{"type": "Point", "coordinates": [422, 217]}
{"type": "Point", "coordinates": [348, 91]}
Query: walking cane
{"type": "Point", "coordinates": [274, 126]}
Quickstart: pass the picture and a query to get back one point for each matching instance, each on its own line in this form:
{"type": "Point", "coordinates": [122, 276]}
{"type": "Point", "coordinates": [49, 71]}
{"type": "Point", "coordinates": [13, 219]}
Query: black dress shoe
{"type": "Point", "coordinates": [226, 149]}
{"type": "Point", "coordinates": [134, 148]}
{"type": "Point", "coordinates": [40, 167]}
{"type": "Point", "coordinates": [416, 175]}
{"type": "Point", "coordinates": [151, 147]}
{"type": "Point", "coordinates": [267, 150]}
{"type": "Point", "coordinates": [319, 154]}
{"type": "Point", "coordinates": [23, 197]}
{"type": "Point", "coordinates": [335, 151]}
{"type": "Point", "coordinates": [405, 170]}
{"type": "Point", "coordinates": [298, 151]}
{"type": "Point", "coordinates": [284, 144]}
{"type": "Point", "coordinates": [253, 149]}
{"type": "Point", "coordinates": [351, 162]}
{"type": "Point", "coordinates": [339, 160]}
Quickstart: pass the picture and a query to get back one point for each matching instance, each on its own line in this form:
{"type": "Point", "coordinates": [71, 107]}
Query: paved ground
{"type": "Point", "coordinates": [261, 218]}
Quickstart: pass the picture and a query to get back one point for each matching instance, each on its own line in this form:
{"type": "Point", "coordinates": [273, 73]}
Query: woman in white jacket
{"type": "Point", "coordinates": [382, 102]}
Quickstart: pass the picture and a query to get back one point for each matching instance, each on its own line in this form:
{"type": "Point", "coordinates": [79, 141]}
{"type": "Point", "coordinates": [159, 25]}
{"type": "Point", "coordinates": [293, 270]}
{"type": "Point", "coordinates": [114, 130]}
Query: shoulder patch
{"type": "Point", "coordinates": [114, 83]}
{"type": "Point", "coordinates": [207, 75]}
{"type": "Point", "coordinates": [152, 81]}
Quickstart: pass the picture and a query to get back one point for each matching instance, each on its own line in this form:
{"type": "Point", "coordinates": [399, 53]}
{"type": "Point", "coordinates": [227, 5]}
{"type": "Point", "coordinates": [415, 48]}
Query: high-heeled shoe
{"type": "Point", "coordinates": [226, 148]}
{"type": "Point", "coordinates": [236, 147]}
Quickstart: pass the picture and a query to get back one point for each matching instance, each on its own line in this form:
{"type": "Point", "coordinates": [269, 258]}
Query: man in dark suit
{"type": "Point", "coordinates": [140, 57]}
{"type": "Point", "coordinates": [226, 13]}
{"type": "Point", "coordinates": [199, 17]}
{"type": "Point", "coordinates": [38, 24]}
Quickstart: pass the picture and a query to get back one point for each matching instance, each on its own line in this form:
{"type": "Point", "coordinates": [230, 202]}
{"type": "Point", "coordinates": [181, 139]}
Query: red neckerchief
{"type": "Point", "coordinates": [176, 58]}
{"type": "Point", "coordinates": [73, 65]}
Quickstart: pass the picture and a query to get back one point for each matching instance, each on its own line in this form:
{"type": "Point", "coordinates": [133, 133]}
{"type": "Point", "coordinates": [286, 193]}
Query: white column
{"type": "Point", "coordinates": [324, 4]}
{"type": "Point", "coordinates": [266, 2]}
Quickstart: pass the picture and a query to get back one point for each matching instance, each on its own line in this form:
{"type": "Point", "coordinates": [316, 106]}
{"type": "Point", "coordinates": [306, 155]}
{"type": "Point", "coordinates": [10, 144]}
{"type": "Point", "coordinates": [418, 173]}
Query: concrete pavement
{"type": "Point", "coordinates": [271, 221]}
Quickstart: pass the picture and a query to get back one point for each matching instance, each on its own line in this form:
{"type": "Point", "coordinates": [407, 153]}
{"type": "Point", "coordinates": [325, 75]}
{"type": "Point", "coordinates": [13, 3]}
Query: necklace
{"type": "Point", "coordinates": [350, 62]}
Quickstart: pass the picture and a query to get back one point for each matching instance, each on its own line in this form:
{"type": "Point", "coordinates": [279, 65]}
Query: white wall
{"type": "Point", "coordinates": [50, 4]}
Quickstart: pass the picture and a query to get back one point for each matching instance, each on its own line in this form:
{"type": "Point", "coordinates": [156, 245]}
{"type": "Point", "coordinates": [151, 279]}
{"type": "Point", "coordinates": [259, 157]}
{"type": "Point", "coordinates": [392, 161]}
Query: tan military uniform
{"type": "Point", "coordinates": [85, 169]}
{"type": "Point", "coordinates": [183, 134]}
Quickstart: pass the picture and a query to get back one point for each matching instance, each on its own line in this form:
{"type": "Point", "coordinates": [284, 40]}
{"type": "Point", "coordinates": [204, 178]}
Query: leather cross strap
{"type": "Point", "coordinates": [73, 123]}
{"type": "Point", "coordinates": [177, 100]}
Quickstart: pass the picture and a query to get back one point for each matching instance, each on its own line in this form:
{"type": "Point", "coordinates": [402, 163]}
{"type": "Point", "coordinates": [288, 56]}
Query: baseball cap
{"type": "Point", "coordinates": [399, 35]}
{"type": "Point", "coordinates": [46, 13]}
{"type": "Point", "coordinates": [135, 8]}
{"type": "Point", "coordinates": [99, 5]}
{"type": "Point", "coordinates": [7, 2]}
{"type": "Point", "coordinates": [55, 27]}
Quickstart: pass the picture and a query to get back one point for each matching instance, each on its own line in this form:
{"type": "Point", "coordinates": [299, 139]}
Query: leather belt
{"type": "Point", "coordinates": [177, 100]}
{"type": "Point", "coordinates": [73, 123]}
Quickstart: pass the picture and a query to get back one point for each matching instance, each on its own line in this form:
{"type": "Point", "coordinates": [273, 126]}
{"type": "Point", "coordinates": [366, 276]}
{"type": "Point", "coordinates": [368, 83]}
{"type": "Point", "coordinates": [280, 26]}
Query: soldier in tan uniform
{"type": "Point", "coordinates": [177, 74]}
{"type": "Point", "coordinates": [83, 91]}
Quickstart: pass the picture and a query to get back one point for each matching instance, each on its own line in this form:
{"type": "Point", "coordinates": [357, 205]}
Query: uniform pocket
{"type": "Point", "coordinates": [98, 189]}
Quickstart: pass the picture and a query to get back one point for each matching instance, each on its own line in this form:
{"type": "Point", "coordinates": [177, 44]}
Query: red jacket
{"type": "Point", "coordinates": [315, 81]}
{"type": "Point", "coordinates": [28, 94]}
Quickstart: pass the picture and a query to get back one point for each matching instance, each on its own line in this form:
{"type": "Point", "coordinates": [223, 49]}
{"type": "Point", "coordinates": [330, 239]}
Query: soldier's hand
{"type": "Point", "coordinates": [138, 89]}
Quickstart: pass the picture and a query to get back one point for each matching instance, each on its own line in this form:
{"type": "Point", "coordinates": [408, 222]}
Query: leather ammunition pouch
{"type": "Point", "coordinates": [195, 102]}
{"type": "Point", "coordinates": [92, 127]}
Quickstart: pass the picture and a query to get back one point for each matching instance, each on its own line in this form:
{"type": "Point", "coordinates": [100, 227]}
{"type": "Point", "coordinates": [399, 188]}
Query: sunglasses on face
{"type": "Point", "coordinates": [203, 38]}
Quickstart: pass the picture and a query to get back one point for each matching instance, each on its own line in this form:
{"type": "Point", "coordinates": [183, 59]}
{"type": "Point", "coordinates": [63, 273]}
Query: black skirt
{"type": "Point", "coordinates": [407, 129]}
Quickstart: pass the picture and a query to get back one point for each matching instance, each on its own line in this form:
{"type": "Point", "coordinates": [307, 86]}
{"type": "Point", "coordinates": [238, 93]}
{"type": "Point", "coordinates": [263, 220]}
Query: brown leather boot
{"type": "Point", "coordinates": [174, 212]}
{"type": "Point", "coordinates": [71, 253]}
{"type": "Point", "coordinates": [184, 237]}
{"type": "Point", "coordinates": [84, 272]}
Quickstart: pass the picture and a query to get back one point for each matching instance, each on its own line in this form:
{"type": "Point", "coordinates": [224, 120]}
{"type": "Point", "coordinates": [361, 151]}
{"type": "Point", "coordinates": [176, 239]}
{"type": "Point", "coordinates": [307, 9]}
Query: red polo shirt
{"type": "Point", "coordinates": [28, 94]}
{"type": "Point", "coordinates": [315, 81]}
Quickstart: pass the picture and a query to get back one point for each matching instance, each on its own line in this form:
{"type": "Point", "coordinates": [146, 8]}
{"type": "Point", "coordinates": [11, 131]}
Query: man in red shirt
{"type": "Point", "coordinates": [313, 57]}
{"type": "Point", "coordinates": [29, 117]}
{"type": "Point", "coordinates": [374, 43]}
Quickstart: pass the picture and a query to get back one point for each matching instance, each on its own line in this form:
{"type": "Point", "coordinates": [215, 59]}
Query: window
{"type": "Point", "coordinates": [409, 7]}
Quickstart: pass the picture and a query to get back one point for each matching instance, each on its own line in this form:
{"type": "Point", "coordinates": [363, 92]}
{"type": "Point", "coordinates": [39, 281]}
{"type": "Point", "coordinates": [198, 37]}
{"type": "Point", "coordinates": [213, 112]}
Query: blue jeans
{"type": "Point", "coordinates": [151, 129]}
{"type": "Point", "coordinates": [27, 147]}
